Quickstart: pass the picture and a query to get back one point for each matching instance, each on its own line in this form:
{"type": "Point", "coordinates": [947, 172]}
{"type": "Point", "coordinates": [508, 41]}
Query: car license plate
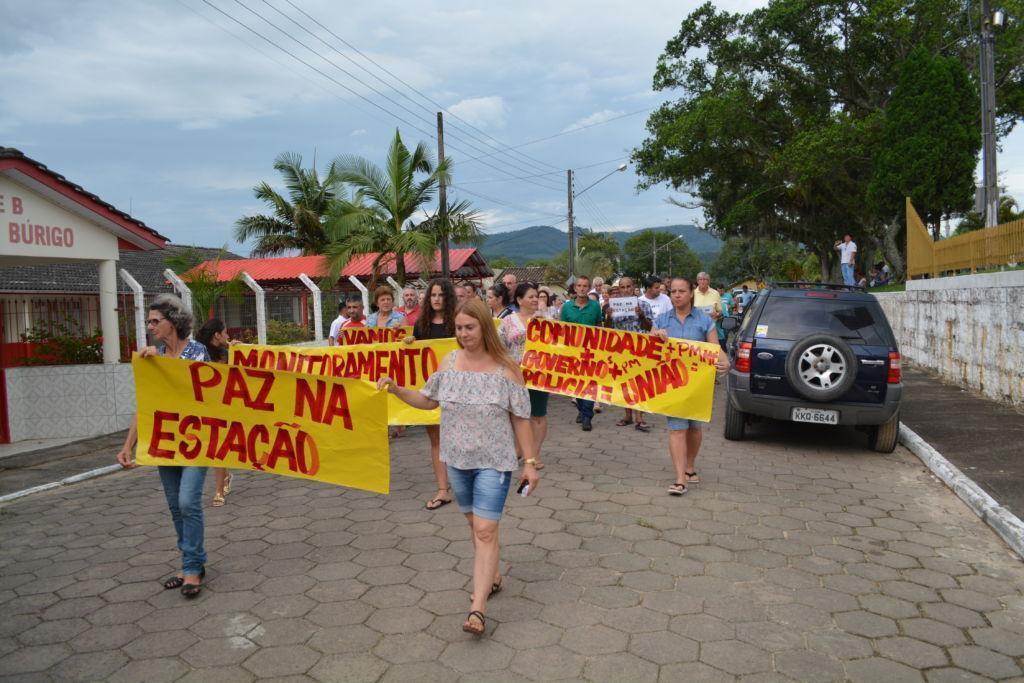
{"type": "Point", "coordinates": [815, 415]}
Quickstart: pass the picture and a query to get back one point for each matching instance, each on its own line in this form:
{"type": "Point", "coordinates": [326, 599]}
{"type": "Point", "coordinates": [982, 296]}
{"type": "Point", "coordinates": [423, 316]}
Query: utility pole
{"type": "Point", "coordinates": [654, 254]}
{"type": "Point", "coordinates": [572, 230]}
{"type": "Point", "coordinates": [987, 46]}
{"type": "Point", "coordinates": [442, 199]}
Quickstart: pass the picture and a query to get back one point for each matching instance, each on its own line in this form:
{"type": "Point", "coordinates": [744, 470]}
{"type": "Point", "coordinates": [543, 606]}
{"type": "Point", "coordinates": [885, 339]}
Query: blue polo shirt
{"type": "Point", "coordinates": [694, 327]}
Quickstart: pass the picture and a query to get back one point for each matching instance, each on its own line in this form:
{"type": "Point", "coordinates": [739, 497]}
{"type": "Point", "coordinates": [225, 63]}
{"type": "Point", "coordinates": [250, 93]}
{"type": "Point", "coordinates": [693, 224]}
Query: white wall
{"type": "Point", "coordinates": [63, 401]}
{"type": "Point", "coordinates": [968, 329]}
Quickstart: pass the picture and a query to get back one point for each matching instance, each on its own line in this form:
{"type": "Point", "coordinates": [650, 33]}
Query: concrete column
{"type": "Point", "coordinates": [108, 311]}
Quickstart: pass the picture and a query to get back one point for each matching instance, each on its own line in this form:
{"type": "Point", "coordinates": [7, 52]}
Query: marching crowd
{"type": "Point", "coordinates": [491, 423]}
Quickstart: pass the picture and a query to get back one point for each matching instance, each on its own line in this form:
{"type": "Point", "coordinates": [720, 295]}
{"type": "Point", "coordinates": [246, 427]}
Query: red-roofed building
{"type": "Point", "coordinates": [288, 299]}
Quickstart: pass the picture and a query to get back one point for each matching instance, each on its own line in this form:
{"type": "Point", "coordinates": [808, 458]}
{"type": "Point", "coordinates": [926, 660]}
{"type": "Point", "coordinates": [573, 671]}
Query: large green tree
{"type": "Point", "coordinates": [674, 256]}
{"type": "Point", "coordinates": [768, 260]}
{"type": "Point", "coordinates": [391, 197]}
{"type": "Point", "coordinates": [297, 219]}
{"type": "Point", "coordinates": [930, 140]}
{"type": "Point", "coordinates": [780, 112]}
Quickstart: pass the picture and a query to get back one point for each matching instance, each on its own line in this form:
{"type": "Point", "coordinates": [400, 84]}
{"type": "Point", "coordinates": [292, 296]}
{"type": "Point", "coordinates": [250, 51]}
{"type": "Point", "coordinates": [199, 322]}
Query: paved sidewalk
{"type": "Point", "coordinates": [45, 465]}
{"type": "Point", "coordinates": [802, 555]}
{"type": "Point", "coordinates": [983, 438]}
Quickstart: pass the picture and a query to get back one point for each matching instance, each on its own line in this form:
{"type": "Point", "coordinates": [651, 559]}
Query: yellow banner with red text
{"type": "Point", "coordinates": [213, 415]}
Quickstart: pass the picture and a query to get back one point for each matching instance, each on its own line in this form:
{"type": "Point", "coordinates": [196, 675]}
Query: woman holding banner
{"type": "Point", "coordinates": [214, 336]}
{"type": "Point", "coordinates": [386, 315]}
{"type": "Point", "coordinates": [437, 321]}
{"type": "Point", "coordinates": [170, 323]}
{"type": "Point", "coordinates": [512, 332]}
{"type": "Point", "coordinates": [484, 412]}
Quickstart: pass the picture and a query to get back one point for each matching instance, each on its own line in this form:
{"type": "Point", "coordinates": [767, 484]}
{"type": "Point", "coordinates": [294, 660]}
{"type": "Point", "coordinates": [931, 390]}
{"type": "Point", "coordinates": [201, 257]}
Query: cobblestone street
{"type": "Point", "coordinates": [801, 555]}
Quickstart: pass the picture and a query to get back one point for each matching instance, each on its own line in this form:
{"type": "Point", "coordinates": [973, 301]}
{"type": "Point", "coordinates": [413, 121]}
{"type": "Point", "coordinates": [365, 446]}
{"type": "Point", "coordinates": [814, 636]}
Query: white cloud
{"type": "Point", "coordinates": [484, 112]}
{"type": "Point", "coordinates": [357, 132]}
{"type": "Point", "coordinates": [596, 117]}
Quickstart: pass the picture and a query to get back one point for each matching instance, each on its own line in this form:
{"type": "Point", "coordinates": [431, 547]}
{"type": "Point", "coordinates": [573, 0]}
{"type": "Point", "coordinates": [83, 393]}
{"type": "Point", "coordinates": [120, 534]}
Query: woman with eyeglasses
{"type": "Point", "coordinates": [170, 323]}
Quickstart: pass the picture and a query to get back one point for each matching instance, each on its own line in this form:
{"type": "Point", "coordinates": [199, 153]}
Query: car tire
{"type": "Point", "coordinates": [882, 438]}
{"type": "Point", "coordinates": [834, 374]}
{"type": "Point", "coordinates": [735, 422]}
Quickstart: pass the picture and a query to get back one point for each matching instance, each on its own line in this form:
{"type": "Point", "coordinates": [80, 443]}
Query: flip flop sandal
{"type": "Point", "coordinates": [692, 478]}
{"type": "Point", "coordinates": [677, 489]}
{"type": "Point", "coordinates": [623, 423]}
{"type": "Point", "coordinates": [643, 427]}
{"type": "Point", "coordinates": [437, 503]}
{"type": "Point", "coordinates": [227, 484]}
{"type": "Point", "coordinates": [218, 500]}
{"type": "Point", "coordinates": [469, 626]}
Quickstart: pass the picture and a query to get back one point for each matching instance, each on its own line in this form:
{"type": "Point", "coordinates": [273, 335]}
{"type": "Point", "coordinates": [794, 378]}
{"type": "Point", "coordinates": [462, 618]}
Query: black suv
{"type": "Point", "coordinates": [815, 353]}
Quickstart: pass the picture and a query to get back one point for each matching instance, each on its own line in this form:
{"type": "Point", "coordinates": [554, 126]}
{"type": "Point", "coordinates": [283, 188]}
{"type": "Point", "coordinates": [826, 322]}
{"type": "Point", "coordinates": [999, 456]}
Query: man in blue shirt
{"type": "Point", "coordinates": [583, 311]}
{"type": "Point", "coordinates": [686, 322]}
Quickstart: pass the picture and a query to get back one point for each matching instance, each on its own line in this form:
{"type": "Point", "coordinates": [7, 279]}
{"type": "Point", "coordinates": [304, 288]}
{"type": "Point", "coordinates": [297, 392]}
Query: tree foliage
{"type": "Point", "coordinates": [204, 282]}
{"type": "Point", "coordinates": [781, 113]}
{"type": "Point", "coordinates": [503, 262]}
{"type": "Point", "coordinates": [391, 196]}
{"type": "Point", "coordinates": [674, 256]}
{"type": "Point", "coordinates": [297, 221]}
{"type": "Point", "coordinates": [930, 140]}
{"type": "Point", "coordinates": [769, 260]}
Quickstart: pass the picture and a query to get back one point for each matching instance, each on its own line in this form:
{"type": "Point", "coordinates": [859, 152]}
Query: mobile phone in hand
{"type": "Point", "coordinates": [524, 488]}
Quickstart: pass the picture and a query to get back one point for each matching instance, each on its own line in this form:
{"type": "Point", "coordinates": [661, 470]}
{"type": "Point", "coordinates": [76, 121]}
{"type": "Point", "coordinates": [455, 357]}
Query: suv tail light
{"type": "Point", "coordinates": [743, 356]}
{"type": "Point", "coordinates": [895, 368]}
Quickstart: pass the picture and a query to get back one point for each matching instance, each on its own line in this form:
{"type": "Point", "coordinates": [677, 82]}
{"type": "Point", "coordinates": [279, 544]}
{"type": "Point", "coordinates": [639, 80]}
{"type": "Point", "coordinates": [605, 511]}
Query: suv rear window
{"type": "Point", "coordinates": [795, 318]}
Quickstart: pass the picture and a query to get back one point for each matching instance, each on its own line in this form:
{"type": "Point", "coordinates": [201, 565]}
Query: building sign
{"type": "Point", "coordinates": [32, 226]}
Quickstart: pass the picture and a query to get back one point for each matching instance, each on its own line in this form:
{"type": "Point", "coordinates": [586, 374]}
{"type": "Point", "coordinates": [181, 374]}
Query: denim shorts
{"type": "Point", "coordinates": [678, 424]}
{"type": "Point", "coordinates": [480, 491]}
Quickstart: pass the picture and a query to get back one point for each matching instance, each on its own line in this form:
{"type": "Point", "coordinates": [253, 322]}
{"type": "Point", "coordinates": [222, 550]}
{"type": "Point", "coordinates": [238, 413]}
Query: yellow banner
{"type": "Point", "coordinates": [215, 415]}
{"type": "Point", "coordinates": [674, 377]}
{"type": "Point", "coordinates": [410, 365]}
{"type": "Point", "coordinates": [353, 336]}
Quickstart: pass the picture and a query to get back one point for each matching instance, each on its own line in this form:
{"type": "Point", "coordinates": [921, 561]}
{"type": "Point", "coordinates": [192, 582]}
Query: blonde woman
{"type": "Point", "coordinates": [485, 410]}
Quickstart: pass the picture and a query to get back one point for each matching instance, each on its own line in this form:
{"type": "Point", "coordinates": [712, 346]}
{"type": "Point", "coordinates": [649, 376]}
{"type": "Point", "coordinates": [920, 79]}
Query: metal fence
{"type": "Point", "coordinates": [1002, 245]}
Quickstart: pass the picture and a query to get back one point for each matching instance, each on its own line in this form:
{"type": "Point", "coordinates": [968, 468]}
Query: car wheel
{"type": "Point", "coordinates": [821, 367]}
{"type": "Point", "coordinates": [735, 422]}
{"type": "Point", "coordinates": [883, 437]}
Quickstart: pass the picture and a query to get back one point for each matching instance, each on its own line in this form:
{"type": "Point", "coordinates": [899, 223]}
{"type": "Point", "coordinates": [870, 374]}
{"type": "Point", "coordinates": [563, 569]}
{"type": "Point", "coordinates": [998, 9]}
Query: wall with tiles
{"type": "Point", "coordinates": [69, 400]}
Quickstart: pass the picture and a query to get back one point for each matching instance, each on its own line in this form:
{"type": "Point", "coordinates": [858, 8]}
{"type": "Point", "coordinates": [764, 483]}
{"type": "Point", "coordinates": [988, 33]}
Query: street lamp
{"type": "Point", "coordinates": [656, 249]}
{"type": "Point", "coordinates": [987, 46]}
{"type": "Point", "coordinates": [572, 195]}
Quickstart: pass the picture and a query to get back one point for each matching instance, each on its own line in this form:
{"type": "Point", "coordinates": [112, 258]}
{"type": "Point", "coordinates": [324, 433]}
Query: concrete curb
{"type": "Point", "coordinates": [91, 474]}
{"type": "Point", "coordinates": [1009, 527]}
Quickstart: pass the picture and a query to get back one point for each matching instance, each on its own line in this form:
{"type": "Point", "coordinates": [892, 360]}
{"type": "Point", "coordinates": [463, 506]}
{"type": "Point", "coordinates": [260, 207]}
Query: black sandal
{"type": "Point", "coordinates": [191, 590]}
{"type": "Point", "coordinates": [468, 625]}
{"type": "Point", "coordinates": [174, 582]}
{"type": "Point", "coordinates": [643, 427]}
{"type": "Point", "coordinates": [692, 478]}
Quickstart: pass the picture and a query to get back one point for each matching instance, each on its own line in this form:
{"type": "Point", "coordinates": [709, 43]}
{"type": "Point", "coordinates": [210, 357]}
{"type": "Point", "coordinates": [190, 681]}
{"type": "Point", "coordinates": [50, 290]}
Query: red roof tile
{"type": "Point", "coordinates": [361, 265]}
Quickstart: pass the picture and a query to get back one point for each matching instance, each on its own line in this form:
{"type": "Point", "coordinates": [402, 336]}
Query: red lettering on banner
{"type": "Point", "coordinates": [215, 424]}
{"type": "Point", "coordinates": [261, 433]}
{"type": "Point", "coordinates": [234, 442]}
{"type": "Point", "coordinates": [282, 448]}
{"type": "Point", "coordinates": [191, 443]}
{"type": "Point", "coordinates": [304, 398]}
{"type": "Point", "coordinates": [307, 465]}
{"type": "Point", "coordinates": [199, 384]}
{"type": "Point", "coordinates": [159, 435]}
{"type": "Point", "coordinates": [337, 406]}
{"type": "Point", "coordinates": [237, 387]}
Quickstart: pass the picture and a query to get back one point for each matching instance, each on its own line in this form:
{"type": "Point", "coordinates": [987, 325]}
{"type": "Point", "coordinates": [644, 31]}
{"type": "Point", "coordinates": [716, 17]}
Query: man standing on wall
{"type": "Point", "coordinates": [847, 258]}
{"type": "Point", "coordinates": [583, 311]}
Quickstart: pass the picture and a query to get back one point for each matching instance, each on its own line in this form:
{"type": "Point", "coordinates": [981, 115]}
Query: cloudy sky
{"type": "Point", "coordinates": [175, 111]}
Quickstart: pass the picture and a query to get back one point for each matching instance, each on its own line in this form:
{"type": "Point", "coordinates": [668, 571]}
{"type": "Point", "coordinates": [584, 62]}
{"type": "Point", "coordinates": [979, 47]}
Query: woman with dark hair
{"type": "Point", "coordinates": [512, 332]}
{"type": "Point", "coordinates": [170, 323]}
{"type": "Point", "coordinates": [385, 315]}
{"type": "Point", "coordinates": [214, 336]}
{"type": "Point", "coordinates": [494, 299]}
{"type": "Point", "coordinates": [436, 321]}
{"type": "Point", "coordinates": [484, 409]}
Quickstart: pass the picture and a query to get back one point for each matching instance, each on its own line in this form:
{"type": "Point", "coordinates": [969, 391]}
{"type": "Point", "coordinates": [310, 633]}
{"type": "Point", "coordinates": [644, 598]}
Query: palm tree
{"type": "Point", "coordinates": [203, 282]}
{"type": "Point", "coordinates": [392, 196]}
{"type": "Point", "coordinates": [297, 221]}
{"type": "Point", "coordinates": [462, 224]}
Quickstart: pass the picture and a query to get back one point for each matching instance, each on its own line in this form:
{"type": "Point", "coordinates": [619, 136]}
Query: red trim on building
{"type": "Point", "coordinates": [77, 195]}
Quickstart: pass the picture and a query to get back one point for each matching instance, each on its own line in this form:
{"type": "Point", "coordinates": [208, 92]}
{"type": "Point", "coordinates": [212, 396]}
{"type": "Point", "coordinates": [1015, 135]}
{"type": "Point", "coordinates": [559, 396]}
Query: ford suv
{"type": "Point", "coordinates": [822, 354]}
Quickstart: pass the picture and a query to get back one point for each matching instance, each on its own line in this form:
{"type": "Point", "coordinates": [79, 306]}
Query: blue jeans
{"type": "Point", "coordinates": [848, 274]}
{"type": "Point", "coordinates": [586, 408]}
{"type": "Point", "coordinates": [183, 487]}
{"type": "Point", "coordinates": [480, 491]}
{"type": "Point", "coordinates": [678, 424]}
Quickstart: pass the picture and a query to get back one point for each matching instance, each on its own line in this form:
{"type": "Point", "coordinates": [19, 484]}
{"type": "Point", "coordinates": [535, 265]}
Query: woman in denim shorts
{"type": "Point", "coordinates": [484, 410]}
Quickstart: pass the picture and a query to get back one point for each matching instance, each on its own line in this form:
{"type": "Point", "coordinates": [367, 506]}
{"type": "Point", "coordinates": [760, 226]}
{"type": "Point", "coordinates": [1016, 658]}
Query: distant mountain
{"type": "Point", "coordinates": [545, 242]}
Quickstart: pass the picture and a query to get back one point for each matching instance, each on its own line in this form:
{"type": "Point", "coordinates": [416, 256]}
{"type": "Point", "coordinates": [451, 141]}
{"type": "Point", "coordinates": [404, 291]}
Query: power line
{"type": "Point", "coordinates": [353, 76]}
{"type": "Point", "coordinates": [411, 87]}
{"type": "Point", "coordinates": [348, 89]}
{"type": "Point", "coordinates": [560, 172]}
